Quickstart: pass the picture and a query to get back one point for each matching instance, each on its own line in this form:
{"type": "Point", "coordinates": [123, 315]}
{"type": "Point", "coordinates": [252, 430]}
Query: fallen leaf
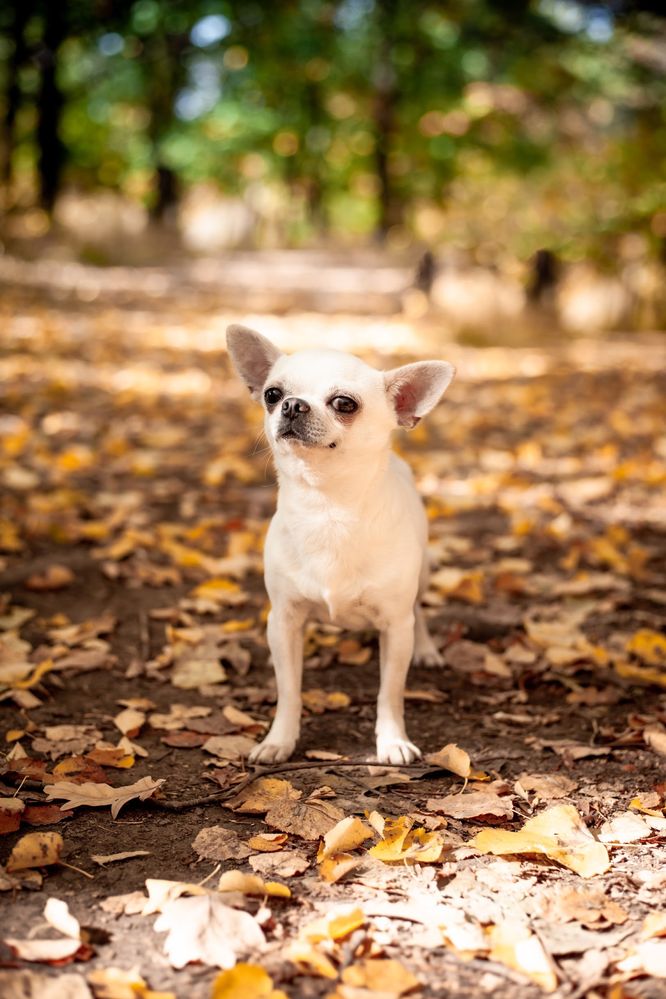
{"type": "Point", "coordinates": [648, 645]}
{"type": "Point", "coordinates": [10, 814]}
{"type": "Point", "coordinates": [130, 721]}
{"type": "Point", "coordinates": [218, 843]}
{"type": "Point", "coordinates": [317, 701]}
{"type": "Point", "coordinates": [558, 833]}
{"type": "Point", "coordinates": [547, 786]}
{"type": "Point", "coordinates": [245, 981]}
{"type": "Point", "coordinates": [384, 975]}
{"type": "Point", "coordinates": [229, 747]}
{"type": "Point", "coordinates": [38, 985]}
{"type": "Point", "coordinates": [401, 842]}
{"type": "Point", "coordinates": [262, 794]}
{"type": "Point", "coordinates": [112, 858]}
{"type": "Point", "coordinates": [251, 884]}
{"type": "Point", "coordinates": [55, 577]}
{"type": "Point", "coordinates": [349, 833]}
{"type": "Point", "coordinates": [202, 928]}
{"type": "Point", "coordinates": [451, 758]}
{"type": "Point", "coordinates": [513, 944]}
{"type": "Point", "coordinates": [284, 864]}
{"type": "Point", "coordinates": [100, 795]}
{"type": "Point", "coordinates": [627, 827]}
{"type": "Point", "coordinates": [39, 849]}
{"type": "Point", "coordinates": [267, 842]}
{"type": "Point", "coordinates": [310, 819]}
{"type": "Point", "coordinates": [472, 805]}
{"type": "Point", "coordinates": [655, 737]}
{"type": "Point", "coordinates": [589, 906]}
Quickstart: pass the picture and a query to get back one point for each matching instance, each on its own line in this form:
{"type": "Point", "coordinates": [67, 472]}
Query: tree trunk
{"type": "Point", "coordinates": [164, 65]}
{"type": "Point", "coordinates": [386, 95]}
{"type": "Point", "coordinates": [21, 10]}
{"type": "Point", "coordinates": [51, 151]}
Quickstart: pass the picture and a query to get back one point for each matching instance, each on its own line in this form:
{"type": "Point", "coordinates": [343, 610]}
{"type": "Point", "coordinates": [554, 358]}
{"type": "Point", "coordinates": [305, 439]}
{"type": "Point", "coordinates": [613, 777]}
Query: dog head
{"type": "Point", "coordinates": [326, 401]}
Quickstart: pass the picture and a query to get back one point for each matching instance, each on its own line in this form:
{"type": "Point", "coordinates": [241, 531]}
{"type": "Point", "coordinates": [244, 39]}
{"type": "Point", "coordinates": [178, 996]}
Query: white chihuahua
{"type": "Point", "coordinates": [347, 544]}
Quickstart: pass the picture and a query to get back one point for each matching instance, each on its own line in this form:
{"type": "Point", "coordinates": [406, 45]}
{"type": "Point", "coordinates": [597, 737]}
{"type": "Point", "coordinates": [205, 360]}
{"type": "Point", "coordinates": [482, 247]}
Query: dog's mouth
{"type": "Point", "coordinates": [289, 434]}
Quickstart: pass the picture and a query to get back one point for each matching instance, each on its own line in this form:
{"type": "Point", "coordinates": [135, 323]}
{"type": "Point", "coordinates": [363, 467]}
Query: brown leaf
{"type": "Point", "coordinates": [310, 819]}
{"type": "Point", "coordinates": [55, 577]}
{"type": "Point", "coordinates": [218, 843]}
{"type": "Point", "coordinates": [474, 804]}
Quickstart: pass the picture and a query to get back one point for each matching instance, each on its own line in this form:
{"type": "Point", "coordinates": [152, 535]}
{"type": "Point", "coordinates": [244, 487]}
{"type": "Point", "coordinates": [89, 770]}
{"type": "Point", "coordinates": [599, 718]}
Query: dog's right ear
{"type": "Point", "coordinates": [252, 355]}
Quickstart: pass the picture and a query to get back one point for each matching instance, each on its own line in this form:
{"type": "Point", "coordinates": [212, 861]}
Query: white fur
{"type": "Point", "coordinates": [347, 544]}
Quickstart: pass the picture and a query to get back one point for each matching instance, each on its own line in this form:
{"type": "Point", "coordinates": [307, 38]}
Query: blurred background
{"type": "Point", "coordinates": [491, 163]}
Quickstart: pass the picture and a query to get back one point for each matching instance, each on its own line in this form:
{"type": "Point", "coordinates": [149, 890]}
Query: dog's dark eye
{"type": "Point", "coordinates": [272, 396]}
{"type": "Point", "coordinates": [343, 404]}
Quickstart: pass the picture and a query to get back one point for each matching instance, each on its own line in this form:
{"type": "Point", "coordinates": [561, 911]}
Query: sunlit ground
{"type": "Point", "coordinates": [131, 458]}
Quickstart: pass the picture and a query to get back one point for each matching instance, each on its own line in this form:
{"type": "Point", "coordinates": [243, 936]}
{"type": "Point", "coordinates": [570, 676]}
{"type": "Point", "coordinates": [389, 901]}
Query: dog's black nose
{"type": "Point", "coordinates": [293, 407]}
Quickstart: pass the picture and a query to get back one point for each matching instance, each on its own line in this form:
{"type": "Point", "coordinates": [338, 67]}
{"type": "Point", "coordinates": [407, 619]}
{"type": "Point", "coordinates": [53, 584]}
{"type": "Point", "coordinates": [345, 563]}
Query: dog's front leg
{"type": "Point", "coordinates": [285, 640]}
{"type": "Point", "coordinates": [396, 645]}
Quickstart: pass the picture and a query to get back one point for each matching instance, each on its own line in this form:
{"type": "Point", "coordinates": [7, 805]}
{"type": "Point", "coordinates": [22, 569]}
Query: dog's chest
{"type": "Point", "coordinates": [336, 572]}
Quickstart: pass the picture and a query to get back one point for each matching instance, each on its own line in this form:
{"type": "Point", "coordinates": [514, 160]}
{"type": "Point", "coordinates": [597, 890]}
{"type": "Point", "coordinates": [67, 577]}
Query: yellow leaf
{"type": "Point", "coordinates": [394, 833]}
{"type": "Point", "coordinates": [268, 842]}
{"type": "Point", "coordinates": [37, 849]}
{"type": "Point", "coordinates": [558, 833]}
{"type": "Point", "coordinates": [335, 926]}
{"type": "Point", "coordinates": [346, 835]}
{"type": "Point", "coordinates": [452, 758]}
{"type": "Point", "coordinates": [643, 674]}
{"type": "Point", "coordinates": [333, 868]}
{"type": "Point", "coordinates": [302, 952]}
{"type": "Point", "coordinates": [319, 701]}
{"type": "Point", "coordinates": [380, 975]}
{"type": "Point", "coordinates": [262, 794]}
{"type": "Point", "coordinates": [650, 646]}
{"type": "Point", "coordinates": [36, 675]}
{"type": "Point", "coordinates": [514, 945]}
{"type": "Point", "coordinates": [245, 981]}
{"type": "Point", "coordinates": [251, 884]}
{"type": "Point", "coordinates": [231, 627]}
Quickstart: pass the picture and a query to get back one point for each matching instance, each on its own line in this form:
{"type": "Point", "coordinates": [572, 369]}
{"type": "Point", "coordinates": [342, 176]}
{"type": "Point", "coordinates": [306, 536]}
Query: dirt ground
{"type": "Point", "coordinates": [132, 461]}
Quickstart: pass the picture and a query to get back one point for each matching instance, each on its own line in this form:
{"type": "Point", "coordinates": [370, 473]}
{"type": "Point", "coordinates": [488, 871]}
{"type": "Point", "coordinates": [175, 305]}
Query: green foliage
{"type": "Point", "coordinates": [520, 123]}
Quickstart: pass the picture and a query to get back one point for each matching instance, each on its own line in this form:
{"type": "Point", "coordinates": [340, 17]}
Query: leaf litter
{"type": "Point", "coordinates": [531, 842]}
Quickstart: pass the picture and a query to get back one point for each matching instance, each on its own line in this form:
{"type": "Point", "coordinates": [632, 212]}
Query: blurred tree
{"type": "Point", "coordinates": [520, 124]}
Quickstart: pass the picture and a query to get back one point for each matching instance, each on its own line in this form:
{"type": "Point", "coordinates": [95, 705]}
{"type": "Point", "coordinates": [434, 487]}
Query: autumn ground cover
{"type": "Point", "coordinates": [524, 855]}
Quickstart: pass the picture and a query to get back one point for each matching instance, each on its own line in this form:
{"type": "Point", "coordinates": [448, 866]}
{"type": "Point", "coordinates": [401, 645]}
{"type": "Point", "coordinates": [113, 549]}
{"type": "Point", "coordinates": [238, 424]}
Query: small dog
{"type": "Point", "coordinates": [347, 544]}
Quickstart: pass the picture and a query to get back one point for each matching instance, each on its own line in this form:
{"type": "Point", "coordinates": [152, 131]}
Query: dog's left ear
{"type": "Point", "coordinates": [252, 355]}
{"type": "Point", "coordinates": [414, 389]}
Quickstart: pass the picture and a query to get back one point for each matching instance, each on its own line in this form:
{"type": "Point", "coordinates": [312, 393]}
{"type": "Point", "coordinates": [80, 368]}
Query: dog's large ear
{"type": "Point", "coordinates": [252, 355]}
{"type": "Point", "coordinates": [414, 389]}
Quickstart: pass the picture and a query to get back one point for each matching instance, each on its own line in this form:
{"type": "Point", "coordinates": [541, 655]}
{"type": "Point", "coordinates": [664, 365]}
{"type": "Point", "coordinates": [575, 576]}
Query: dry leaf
{"type": "Point", "coordinates": [655, 737]}
{"type": "Point", "coordinates": [245, 981]}
{"type": "Point", "coordinates": [100, 795]}
{"type": "Point", "coordinates": [229, 747]}
{"type": "Point", "coordinates": [472, 805]}
{"type": "Point", "coordinates": [113, 858]}
{"type": "Point", "coordinates": [514, 945]}
{"type": "Point", "coordinates": [547, 786]}
{"type": "Point", "coordinates": [284, 864]}
{"type": "Point", "coordinates": [218, 843]}
{"type": "Point", "coordinates": [268, 842]}
{"type": "Point", "coordinates": [262, 794]}
{"type": "Point", "coordinates": [589, 906]}
{"type": "Point", "coordinates": [317, 701]}
{"type": "Point", "coordinates": [627, 827]}
{"type": "Point", "coordinates": [38, 985]}
{"type": "Point", "coordinates": [38, 849]}
{"type": "Point", "coordinates": [383, 975]}
{"type": "Point", "coordinates": [401, 842]}
{"type": "Point", "coordinates": [310, 819]}
{"type": "Point", "coordinates": [55, 577]}
{"type": "Point", "coordinates": [130, 721]}
{"type": "Point", "coordinates": [558, 833]}
{"type": "Point", "coordinates": [451, 758]}
{"type": "Point", "coordinates": [251, 884]}
{"type": "Point", "coordinates": [202, 928]}
{"type": "Point", "coordinates": [332, 869]}
{"type": "Point", "coordinates": [349, 833]}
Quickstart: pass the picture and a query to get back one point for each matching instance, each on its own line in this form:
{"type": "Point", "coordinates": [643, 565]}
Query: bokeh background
{"type": "Point", "coordinates": [505, 156]}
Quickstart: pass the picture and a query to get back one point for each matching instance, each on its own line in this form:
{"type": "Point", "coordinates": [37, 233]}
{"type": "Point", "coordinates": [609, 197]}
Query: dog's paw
{"type": "Point", "coordinates": [428, 657]}
{"type": "Point", "coordinates": [397, 751]}
{"type": "Point", "coordinates": [271, 752]}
